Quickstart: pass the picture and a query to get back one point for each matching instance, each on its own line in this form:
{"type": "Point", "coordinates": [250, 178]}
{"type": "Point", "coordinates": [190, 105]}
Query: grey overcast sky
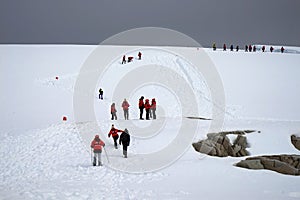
{"type": "Point", "coordinates": [92, 21]}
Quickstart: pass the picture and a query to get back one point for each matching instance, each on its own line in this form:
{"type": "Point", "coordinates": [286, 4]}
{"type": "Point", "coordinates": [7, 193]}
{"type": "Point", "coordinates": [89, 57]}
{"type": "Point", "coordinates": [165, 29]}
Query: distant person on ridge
{"type": "Point", "coordinates": [224, 47]}
{"type": "Point", "coordinates": [97, 145]}
{"type": "Point", "coordinates": [114, 133]}
{"type": "Point", "coordinates": [140, 55]}
{"type": "Point", "coordinates": [246, 48]}
{"type": "Point", "coordinates": [237, 48]}
{"type": "Point", "coordinates": [282, 49]}
{"type": "Point", "coordinates": [263, 49]}
{"type": "Point", "coordinates": [125, 106]}
{"type": "Point", "coordinates": [271, 49]}
{"type": "Point", "coordinates": [141, 107]}
{"type": "Point", "coordinates": [254, 48]}
{"type": "Point", "coordinates": [214, 46]}
{"type": "Point", "coordinates": [113, 111]}
{"type": "Point", "coordinates": [125, 141]}
{"type": "Point", "coordinates": [250, 48]}
{"type": "Point", "coordinates": [231, 47]}
{"type": "Point", "coordinates": [124, 60]}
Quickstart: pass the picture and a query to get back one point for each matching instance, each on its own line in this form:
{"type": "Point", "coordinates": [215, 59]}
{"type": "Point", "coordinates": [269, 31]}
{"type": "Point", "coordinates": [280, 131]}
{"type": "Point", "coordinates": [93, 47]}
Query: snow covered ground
{"type": "Point", "coordinates": [43, 157]}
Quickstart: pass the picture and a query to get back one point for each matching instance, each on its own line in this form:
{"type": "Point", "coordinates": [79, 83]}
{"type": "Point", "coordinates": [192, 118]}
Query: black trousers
{"type": "Point", "coordinates": [126, 114]}
{"type": "Point", "coordinates": [147, 114]}
{"type": "Point", "coordinates": [115, 140]}
{"type": "Point", "coordinates": [141, 113]}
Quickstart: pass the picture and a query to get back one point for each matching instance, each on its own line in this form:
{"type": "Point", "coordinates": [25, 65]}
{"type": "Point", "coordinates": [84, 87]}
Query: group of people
{"type": "Point", "coordinates": [97, 144]}
{"type": "Point", "coordinates": [149, 108]}
{"type": "Point", "coordinates": [130, 58]}
{"type": "Point", "coordinates": [249, 48]}
{"type": "Point", "coordinates": [113, 110]}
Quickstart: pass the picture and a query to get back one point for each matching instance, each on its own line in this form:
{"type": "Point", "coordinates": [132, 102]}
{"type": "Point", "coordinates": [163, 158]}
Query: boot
{"type": "Point", "coordinates": [94, 162]}
{"type": "Point", "coordinates": [99, 163]}
{"type": "Point", "coordinates": [125, 154]}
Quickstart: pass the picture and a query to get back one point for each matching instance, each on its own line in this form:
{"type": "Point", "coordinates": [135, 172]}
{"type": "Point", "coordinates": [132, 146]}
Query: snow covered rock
{"type": "Point", "coordinates": [284, 164]}
{"type": "Point", "coordinates": [295, 141]}
{"type": "Point", "coordinates": [218, 144]}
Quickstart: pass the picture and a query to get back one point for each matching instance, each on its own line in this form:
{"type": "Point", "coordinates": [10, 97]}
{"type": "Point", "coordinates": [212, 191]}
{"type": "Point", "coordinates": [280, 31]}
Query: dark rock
{"type": "Point", "coordinates": [295, 141]}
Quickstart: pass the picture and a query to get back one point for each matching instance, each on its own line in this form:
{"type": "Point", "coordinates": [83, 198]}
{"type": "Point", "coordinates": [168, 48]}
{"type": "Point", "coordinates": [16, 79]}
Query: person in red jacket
{"type": "Point", "coordinates": [153, 108]}
{"type": "Point", "coordinates": [114, 133]}
{"type": "Point", "coordinates": [141, 107]}
{"type": "Point", "coordinates": [282, 49]}
{"type": "Point", "coordinates": [147, 108]}
{"type": "Point", "coordinates": [125, 106]}
{"type": "Point", "coordinates": [97, 145]}
{"type": "Point", "coordinates": [113, 111]}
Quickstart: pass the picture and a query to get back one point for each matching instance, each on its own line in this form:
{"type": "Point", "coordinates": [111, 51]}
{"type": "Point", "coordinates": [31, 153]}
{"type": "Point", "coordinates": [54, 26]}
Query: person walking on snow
{"type": "Point", "coordinates": [147, 108]}
{"type": "Point", "coordinates": [114, 133]}
{"type": "Point", "coordinates": [125, 106]}
{"type": "Point", "coordinates": [282, 49]}
{"type": "Point", "coordinates": [263, 49]}
{"type": "Point", "coordinates": [124, 60]}
{"type": "Point", "coordinates": [125, 141]}
{"type": "Point", "coordinates": [100, 93]}
{"type": "Point", "coordinates": [97, 145]}
{"type": "Point", "coordinates": [141, 107]}
{"type": "Point", "coordinates": [140, 55]}
{"type": "Point", "coordinates": [153, 108]}
{"type": "Point", "coordinates": [113, 111]}
{"type": "Point", "coordinates": [224, 47]}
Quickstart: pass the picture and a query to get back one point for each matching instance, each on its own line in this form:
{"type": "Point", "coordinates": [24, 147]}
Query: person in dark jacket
{"type": "Point", "coordinates": [214, 46]}
{"type": "Point", "coordinates": [231, 47]}
{"type": "Point", "coordinates": [100, 93]}
{"type": "Point", "coordinates": [246, 48]}
{"type": "Point", "coordinates": [124, 60]}
{"type": "Point", "coordinates": [254, 48]}
{"type": "Point", "coordinates": [140, 55]}
{"type": "Point", "coordinates": [125, 141]}
{"type": "Point", "coordinates": [141, 107]}
{"type": "Point", "coordinates": [250, 48]}
{"type": "Point", "coordinates": [97, 145]}
{"type": "Point", "coordinates": [114, 133]}
{"type": "Point", "coordinates": [271, 49]}
{"type": "Point", "coordinates": [237, 48]}
{"type": "Point", "coordinates": [263, 49]}
{"type": "Point", "coordinates": [147, 108]}
{"type": "Point", "coordinates": [282, 49]}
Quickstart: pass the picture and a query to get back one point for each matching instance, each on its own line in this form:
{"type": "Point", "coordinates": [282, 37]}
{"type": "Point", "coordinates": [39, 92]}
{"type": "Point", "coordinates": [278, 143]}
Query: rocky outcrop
{"type": "Point", "coordinates": [285, 164]}
{"type": "Point", "coordinates": [218, 144]}
{"type": "Point", "coordinates": [295, 141]}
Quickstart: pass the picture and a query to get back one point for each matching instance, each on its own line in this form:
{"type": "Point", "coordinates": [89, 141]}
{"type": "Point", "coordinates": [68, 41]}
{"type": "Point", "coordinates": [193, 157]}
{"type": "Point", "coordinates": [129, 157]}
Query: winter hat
{"type": "Point", "coordinates": [142, 97]}
{"type": "Point", "coordinates": [147, 100]}
{"type": "Point", "coordinates": [126, 131]}
{"type": "Point", "coordinates": [96, 136]}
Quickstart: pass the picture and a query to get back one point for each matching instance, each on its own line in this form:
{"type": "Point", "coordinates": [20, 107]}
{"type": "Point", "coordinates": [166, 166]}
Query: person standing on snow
{"type": "Point", "coordinates": [114, 133]}
{"type": "Point", "coordinates": [125, 141]}
{"type": "Point", "coordinates": [100, 93]}
{"type": "Point", "coordinates": [97, 145]}
{"type": "Point", "coordinates": [141, 107]}
{"type": "Point", "coordinates": [237, 48]}
{"type": "Point", "coordinates": [125, 106]}
{"type": "Point", "coordinates": [214, 46]}
{"type": "Point", "coordinates": [282, 49]}
{"type": "Point", "coordinates": [224, 47]}
{"type": "Point", "coordinates": [271, 49]}
{"type": "Point", "coordinates": [113, 111]}
{"type": "Point", "coordinates": [140, 55]}
{"type": "Point", "coordinates": [147, 108]}
{"type": "Point", "coordinates": [124, 60]}
{"type": "Point", "coordinates": [250, 48]}
{"type": "Point", "coordinates": [153, 108]}
{"type": "Point", "coordinates": [246, 48]}
{"type": "Point", "coordinates": [263, 49]}
{"type": "Point", "coordinates": [231, 47]}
